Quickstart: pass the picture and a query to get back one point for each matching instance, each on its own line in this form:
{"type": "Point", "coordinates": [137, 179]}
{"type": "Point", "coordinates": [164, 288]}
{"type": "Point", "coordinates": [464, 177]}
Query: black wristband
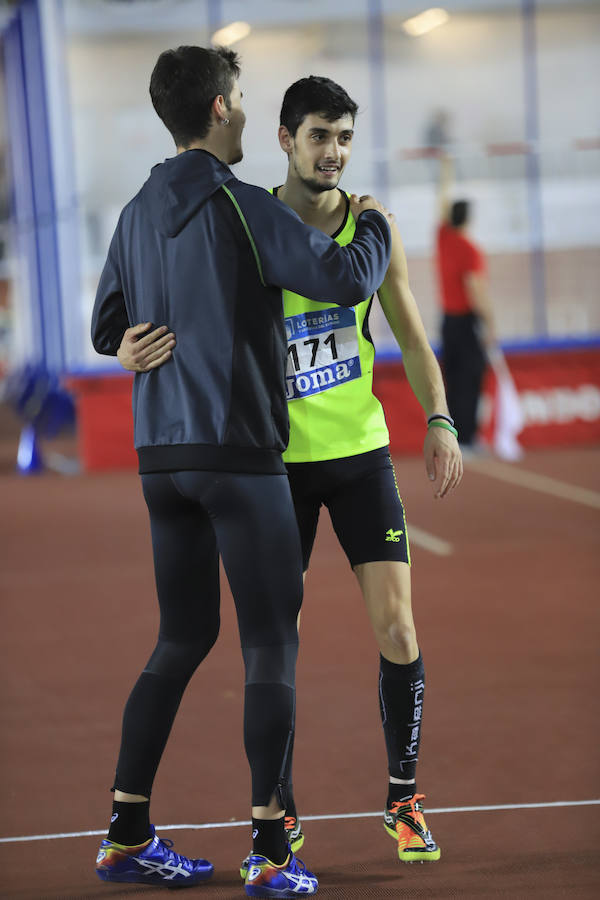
{"type": "Point", "coordinates": [440, 416]}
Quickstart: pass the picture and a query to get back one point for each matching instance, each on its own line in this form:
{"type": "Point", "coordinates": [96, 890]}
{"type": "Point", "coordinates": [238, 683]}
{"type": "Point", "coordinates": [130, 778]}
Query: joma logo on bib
{"type": "Point", "coordinates": [322, 351]}
{"type": "Point", "coordinates": [321, 379]}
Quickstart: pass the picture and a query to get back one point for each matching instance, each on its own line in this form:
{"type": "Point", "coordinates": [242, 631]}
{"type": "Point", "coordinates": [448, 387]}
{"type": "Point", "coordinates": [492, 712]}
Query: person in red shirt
{"type": "Point", "coordinates": [468, 327]}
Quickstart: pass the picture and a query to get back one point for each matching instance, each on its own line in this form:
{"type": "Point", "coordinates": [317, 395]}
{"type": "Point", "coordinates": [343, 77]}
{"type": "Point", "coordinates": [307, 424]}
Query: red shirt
{"type": "Point", "coordinates": [456, 256]}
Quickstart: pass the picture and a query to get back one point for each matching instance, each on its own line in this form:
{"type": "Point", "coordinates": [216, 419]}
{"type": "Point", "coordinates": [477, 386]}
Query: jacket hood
{"type": "Point", "coordinates": [178, 187]}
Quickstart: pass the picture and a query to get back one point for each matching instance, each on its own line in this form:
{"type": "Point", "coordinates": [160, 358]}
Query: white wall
{"type": "Point", "coordinates": [473, 67]}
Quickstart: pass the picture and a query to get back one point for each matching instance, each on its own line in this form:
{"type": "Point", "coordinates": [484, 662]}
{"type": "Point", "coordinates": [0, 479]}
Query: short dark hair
{"type": "Point", "coordinates": [459, 213]}
{"type": "Point", "coordinates": [183, 85]}
{"type": "Point", "coordinates": [314, 94]}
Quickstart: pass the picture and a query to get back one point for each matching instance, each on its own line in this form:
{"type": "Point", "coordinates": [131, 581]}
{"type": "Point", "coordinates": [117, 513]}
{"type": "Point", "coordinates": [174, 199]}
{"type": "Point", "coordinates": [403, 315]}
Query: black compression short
{"type": "Point", "coordinates": [362, 497]}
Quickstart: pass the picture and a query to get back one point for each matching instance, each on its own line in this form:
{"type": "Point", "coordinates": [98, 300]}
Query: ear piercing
{"type": "Point", "coordinates": [224, 121]}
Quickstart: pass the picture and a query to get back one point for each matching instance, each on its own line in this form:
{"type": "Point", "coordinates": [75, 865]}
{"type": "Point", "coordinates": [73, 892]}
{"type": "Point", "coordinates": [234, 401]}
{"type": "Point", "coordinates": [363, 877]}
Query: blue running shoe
{"type": "Point", "coordinates": [265, 879]}
{"type": "Point", "coordinates": [294, 837]}
{"type": "Point", "coordinates": [150, 863]}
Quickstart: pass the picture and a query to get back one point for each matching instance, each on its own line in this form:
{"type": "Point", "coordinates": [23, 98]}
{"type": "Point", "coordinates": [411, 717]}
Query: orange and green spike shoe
{"type": "Point", "coordinates": [405, 822]}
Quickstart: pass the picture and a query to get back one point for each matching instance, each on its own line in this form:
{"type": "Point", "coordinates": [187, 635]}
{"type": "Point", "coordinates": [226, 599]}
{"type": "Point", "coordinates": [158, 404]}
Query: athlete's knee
{"type": "Point", "coordinates": [395, 631]}
{"type": "Point", "coordinates": [273, 627]}
{"type": "Point", "coordinates": [401, 634]}
{"type": "Point", "coordinates": [180, 659]}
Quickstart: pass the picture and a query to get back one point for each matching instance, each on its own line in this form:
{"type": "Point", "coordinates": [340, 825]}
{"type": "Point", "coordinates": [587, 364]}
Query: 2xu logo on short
{"type": "Point", "coordinates": [322, 351]}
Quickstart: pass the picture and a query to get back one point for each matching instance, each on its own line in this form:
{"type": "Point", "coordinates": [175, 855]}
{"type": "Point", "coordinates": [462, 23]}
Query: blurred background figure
{"type": "Point", "coordinates": [468, 328]}
{"type": "Point", "coordinates": [437, 132]}
{"type": "Point", "coordinates": [437, 139]}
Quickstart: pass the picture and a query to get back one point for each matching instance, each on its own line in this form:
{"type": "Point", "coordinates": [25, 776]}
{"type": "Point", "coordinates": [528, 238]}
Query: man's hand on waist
{"type": "Point", "coordinates": [141, 352]}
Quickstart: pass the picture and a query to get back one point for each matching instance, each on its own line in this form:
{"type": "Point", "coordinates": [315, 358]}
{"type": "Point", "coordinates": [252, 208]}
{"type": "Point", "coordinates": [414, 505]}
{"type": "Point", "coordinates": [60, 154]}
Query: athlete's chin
{"type": "Point", "coordinates": [236, 157]}
{"type": "Point", "coordinates": [320, 187]}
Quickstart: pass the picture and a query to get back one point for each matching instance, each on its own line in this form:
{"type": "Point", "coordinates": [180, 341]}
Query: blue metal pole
{"type": "Point", "coordinates": [64, 190]}
{"type": "Point", "coordinates": [35, 205]}
{"type": "Point", "coordinates": [23, 212]}
{"type": "Point", "coordinates": [43, 184]}
{"type": "Point", "coordinates": [532, 170]}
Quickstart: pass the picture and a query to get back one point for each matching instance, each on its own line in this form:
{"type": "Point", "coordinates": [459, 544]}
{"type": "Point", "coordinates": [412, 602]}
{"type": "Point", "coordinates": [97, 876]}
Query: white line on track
{"type": "Point", "coordinates": [325, 818]}
{"type": "Point", "coordinates": [428, 541]}
{"type": "Point", "coordinates": [535, 482]}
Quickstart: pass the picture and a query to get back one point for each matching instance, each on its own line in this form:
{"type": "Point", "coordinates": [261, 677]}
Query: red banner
{"type": "Point", "coordinates": [559, 395]}
{"type": "Point", "coordinates": [558, 391]}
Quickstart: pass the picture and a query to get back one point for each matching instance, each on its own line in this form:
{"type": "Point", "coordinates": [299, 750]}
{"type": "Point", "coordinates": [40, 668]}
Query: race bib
{"type": "Point", "coordinates": [322, 351]}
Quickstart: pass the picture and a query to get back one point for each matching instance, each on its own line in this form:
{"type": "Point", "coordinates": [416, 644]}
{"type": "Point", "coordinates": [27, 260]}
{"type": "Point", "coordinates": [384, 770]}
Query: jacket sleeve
{"type": "Point", "coordinates": [109, 317]}
{"type": "Point", "coordinates": [302, 259]}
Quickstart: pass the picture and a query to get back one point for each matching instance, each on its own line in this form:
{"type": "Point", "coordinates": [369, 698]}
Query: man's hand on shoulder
{"type": "Point", "coordinates": [362, 204]}
{"type": "Point", "coordinates": [141, 352]}
{"type": "Point", "coordinates": [443, 461]}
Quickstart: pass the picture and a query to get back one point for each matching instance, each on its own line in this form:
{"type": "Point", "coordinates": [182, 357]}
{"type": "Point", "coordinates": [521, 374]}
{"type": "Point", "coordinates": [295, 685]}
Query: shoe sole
{"type": "Point", "coordinates": [298, 843]}
{"type": "Point", "coordinates": [410, 856]}
{"type": "Point", "coordinates": [252, 891]}
{"type": "Point", "coordinates": [136, 879]}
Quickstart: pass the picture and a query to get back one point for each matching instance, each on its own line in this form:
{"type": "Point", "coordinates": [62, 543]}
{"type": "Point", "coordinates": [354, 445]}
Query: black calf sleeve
{"type": "Point", "coordinates": [401, 692]}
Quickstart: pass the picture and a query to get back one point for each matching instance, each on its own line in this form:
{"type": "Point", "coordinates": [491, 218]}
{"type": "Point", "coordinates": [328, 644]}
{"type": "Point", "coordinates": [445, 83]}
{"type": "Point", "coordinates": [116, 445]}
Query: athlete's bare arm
{"type": "Point", "coordinates": [142, 350]}
{"type": "Point", "coordinates": [443, 458]}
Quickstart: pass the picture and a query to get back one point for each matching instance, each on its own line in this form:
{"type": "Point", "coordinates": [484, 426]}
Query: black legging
{"type": "Point", "coordinates": [464, 364]}
{"type": "Point", "coordinates": [249, 520]}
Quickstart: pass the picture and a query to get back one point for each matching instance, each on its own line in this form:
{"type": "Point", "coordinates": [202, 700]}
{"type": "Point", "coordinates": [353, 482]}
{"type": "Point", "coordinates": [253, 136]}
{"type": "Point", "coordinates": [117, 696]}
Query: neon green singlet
{"type": "Point", "coordinates": [329, 378]}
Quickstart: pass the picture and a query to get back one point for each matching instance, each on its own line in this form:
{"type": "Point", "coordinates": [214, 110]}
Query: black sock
{"type": "Point", "coordinates": [400, 792]}
{"type": "Point", "coordinates": [130, 823]}
{"type": "Point", "coordinates": [269, 839]}
{"type": "Point", "coordinates": [401, 692]}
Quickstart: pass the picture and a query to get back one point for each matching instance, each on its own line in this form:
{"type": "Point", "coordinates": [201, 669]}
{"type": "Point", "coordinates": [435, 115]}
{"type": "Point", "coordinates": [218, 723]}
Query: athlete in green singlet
{"type": "Point", "coordinates": [338, 450]}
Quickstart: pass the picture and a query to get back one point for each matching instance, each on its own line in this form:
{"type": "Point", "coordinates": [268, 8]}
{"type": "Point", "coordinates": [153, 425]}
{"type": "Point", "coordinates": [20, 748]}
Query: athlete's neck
{"type": "Point", "coordinates": [324, 210]}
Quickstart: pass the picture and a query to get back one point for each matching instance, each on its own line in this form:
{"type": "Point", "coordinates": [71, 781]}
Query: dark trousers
{"type": "Point", "coordinates": [249, 521]}
{"type": "Point", "coordinates": [464, 363]}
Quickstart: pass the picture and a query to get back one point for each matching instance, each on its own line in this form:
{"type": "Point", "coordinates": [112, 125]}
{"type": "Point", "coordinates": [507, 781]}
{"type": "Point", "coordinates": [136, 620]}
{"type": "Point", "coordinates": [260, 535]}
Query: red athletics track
{"type": "Point", "coordinates": [508, 623]}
